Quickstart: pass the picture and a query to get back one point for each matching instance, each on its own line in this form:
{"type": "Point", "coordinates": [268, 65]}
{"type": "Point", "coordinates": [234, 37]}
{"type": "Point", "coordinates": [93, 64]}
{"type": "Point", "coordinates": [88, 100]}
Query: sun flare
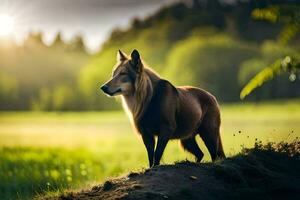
{"type": "Point", "coordinates": [6, 25]}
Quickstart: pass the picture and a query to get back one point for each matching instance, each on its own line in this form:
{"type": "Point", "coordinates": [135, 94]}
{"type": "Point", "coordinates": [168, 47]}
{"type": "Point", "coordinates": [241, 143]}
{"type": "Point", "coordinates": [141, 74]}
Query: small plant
{"type": "Point", "coordinates": [290, 148]}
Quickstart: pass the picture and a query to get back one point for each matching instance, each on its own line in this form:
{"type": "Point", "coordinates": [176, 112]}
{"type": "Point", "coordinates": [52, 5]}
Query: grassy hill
{"type": "Point", "coordinates": [265, 172]}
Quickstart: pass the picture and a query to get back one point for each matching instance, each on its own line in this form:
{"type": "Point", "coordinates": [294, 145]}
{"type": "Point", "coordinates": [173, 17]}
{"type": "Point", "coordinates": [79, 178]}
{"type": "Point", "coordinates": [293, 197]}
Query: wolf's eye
{"type": "Point", "coordinates": [122, 73]}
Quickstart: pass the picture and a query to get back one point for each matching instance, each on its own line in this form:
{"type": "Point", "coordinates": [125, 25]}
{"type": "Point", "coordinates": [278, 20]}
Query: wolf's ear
{"type": "Point", "coordinates": [136, 59]}
{"type": "Point", "coordinates": [121, 56]}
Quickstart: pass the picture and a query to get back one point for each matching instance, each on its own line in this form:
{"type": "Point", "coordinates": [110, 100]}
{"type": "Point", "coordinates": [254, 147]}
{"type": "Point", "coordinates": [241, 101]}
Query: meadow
{"type": "Point", "coordinates": [49, 152]}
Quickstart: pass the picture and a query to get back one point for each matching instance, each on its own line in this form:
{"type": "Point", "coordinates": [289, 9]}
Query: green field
{"type": "Point", "coordinates": [49, 152]}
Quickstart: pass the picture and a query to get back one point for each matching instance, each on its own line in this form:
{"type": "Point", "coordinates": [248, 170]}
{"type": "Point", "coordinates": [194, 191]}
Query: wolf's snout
{"type": "Point", "coordinates": [104, 88]}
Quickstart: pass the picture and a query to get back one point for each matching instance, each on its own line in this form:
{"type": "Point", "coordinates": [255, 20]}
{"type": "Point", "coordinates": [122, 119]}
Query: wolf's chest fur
{"type": "Point", "coordinates": [154, 116]}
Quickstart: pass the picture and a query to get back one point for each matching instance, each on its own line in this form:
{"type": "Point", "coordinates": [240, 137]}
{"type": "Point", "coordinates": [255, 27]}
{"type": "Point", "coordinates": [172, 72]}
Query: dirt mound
{"type": "Point", "coordinates": [260, 173]}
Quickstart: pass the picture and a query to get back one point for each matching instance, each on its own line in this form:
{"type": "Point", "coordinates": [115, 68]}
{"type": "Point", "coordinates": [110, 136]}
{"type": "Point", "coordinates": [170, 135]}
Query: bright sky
{"type": "Point", "coordinates": [94, 19]}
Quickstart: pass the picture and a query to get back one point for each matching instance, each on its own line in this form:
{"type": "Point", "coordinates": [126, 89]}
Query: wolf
{"type": "Point", "coordinates": [160, 110]}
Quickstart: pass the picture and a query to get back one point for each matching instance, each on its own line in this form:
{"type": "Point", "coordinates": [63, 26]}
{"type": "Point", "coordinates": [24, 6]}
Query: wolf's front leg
{"type": "Point", "coordinates": [149, 143]}
{"type": "Point", "coordinates": [160, 147]}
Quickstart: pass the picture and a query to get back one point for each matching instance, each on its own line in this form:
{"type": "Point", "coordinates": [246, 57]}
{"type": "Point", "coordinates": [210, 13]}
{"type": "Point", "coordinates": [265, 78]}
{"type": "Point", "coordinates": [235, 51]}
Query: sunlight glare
{"type": "Point", "coordinates": [6, 25]}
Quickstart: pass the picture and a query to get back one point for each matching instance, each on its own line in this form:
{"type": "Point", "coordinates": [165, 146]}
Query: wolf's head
{"type": "Point", "coordinates": [125, 75]}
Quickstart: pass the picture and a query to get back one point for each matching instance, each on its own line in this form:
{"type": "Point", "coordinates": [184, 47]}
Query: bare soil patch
{"type": "Point", "coordinates": [265, 172]}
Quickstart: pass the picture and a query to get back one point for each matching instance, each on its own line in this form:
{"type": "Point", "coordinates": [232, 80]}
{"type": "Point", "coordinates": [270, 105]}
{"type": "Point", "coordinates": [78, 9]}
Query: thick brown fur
{"type": "Point", "coordinates": [159, 109]}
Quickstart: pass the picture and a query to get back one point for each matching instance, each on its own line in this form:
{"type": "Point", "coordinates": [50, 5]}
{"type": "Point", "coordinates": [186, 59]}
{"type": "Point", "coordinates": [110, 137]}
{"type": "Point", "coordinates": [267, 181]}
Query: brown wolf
{"type": "Point", "coordinates": [159, 109]}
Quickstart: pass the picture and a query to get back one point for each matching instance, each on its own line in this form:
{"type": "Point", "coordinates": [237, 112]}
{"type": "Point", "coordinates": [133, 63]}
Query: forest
{"type": "Point", "coordinates": [216, 46]}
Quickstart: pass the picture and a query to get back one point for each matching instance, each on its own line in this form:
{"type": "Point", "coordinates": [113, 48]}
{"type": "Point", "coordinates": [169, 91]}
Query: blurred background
{"type": "Point", "coordinates": [58, 130]}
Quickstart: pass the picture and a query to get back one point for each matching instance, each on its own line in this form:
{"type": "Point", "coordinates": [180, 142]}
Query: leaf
{"type": "Point", "coordinates": [288, 64]}
{"type": "Point", "coordinates": [260, 78]}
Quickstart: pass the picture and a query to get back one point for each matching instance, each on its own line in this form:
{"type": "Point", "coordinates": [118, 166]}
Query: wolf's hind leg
{"type": "Point", "coordinates": [210, 134]}
{"type": "Point", "coordinates": [212, 140]}
{"type": "Point", "coordinates": [191, 146]}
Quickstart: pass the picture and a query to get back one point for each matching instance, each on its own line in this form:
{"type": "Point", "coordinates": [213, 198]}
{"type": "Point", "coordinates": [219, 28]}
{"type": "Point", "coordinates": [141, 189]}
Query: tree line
{"type": "Point", "coordinates": [210, 44]}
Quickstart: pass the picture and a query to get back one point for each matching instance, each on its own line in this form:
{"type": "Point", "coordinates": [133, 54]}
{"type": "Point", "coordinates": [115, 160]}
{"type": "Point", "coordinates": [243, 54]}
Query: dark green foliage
{"type": "Point", "coordinates": [288, 62]}
{"type": "Point", "coordinates": [212, 63]}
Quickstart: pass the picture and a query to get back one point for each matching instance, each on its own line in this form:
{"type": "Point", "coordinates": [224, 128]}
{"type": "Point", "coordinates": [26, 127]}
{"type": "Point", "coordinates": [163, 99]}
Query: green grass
{"type": "Point", "coordinates": [50, 152]}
